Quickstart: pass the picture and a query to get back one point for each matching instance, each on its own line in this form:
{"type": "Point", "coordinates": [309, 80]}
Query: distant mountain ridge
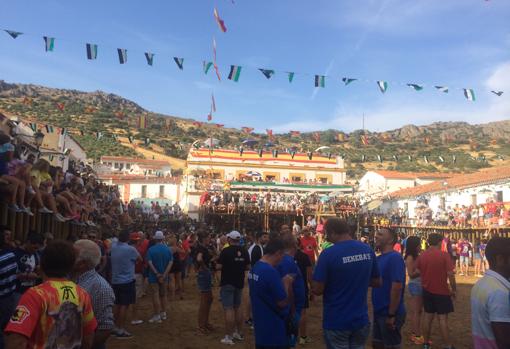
{"type": "Point", "coordinates": [462, 146]}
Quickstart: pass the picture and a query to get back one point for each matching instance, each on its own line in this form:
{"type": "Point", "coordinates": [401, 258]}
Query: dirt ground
{"type": "Point", "coordinates": [179, 330]}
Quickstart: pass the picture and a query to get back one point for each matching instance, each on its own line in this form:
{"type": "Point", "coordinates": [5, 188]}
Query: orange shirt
{"type": "Point", "coordinates": [57, 313]}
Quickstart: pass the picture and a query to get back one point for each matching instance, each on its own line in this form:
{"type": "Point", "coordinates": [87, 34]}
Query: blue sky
{"type": "Point", "coordinates": [460, 43]}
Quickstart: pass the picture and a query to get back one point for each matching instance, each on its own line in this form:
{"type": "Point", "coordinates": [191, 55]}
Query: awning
{"type": "Point", "coordinates": [372, 205]}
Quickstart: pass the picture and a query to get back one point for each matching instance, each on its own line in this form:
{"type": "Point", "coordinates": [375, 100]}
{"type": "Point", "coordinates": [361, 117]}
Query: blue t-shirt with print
{"type": "Point", "coordinates": [288, 266]}
{"type": "Point", "coordinates": [266, 290]}
{"type": "Point", "coordinates": [392, 269]}
{"type": "Point", "coordinates": [160, 256]}
{"type": "Point", "coordinates": [346, 269]}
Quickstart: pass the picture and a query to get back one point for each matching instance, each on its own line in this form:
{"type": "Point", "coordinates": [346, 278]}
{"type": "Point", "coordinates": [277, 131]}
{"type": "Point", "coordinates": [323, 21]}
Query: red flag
{"type": "Point", "coordinates": [213, 104]}
{"type": "Point", "coordinates": [197, 123]}
{"type": "Point", "coordinates": [295, 133]}
{"type": "Point", "coordinates": [219, 125]}
{"type": "Point", "coordinates": [247, 129]}
{"type": "Point", "coordinates": [220, 21]}
{"type": "Point", "coordinates": [209, 117]}
{"type": "Point", "coordinates": [214, 60]}
{"type": "Point", "coordinates": [317, 136]}
{"type": "Point", "coordinates": [60, 106]}
{"type": "Point", "coordinates": [364, 140]}
{"type": "Point", "coordinates": [269, 132]}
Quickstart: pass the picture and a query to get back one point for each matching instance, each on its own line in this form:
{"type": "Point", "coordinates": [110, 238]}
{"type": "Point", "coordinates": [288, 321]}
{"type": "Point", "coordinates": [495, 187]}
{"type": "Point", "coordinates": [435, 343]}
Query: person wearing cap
{"type": "Point", "coordinates": [490, 299]}
{"type": "Point", "coordinates": [233, 262]}
{"type": "Point", "coordinates": [160, 259]}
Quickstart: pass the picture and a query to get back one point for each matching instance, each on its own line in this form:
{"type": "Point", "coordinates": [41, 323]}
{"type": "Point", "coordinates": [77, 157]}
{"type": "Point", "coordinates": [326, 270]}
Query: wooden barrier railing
{"type": "Point", "coordinates": [21, 224]}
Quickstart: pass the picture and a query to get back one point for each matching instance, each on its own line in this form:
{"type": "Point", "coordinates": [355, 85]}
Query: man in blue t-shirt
{"type": "Point", "coordinates": [343, 274]}
{"type": "Point", "coordinates": [388, 300]}
{"type": "Point", "coordinates": [288, 266]}
{"type": "Point", "coordinates": [160, 259]}
{"type": "Point", "coordinates": [268, 295]}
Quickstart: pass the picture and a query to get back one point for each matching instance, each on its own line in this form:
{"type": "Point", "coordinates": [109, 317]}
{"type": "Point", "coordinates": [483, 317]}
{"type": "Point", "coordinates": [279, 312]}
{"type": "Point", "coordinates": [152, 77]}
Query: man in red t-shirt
{"type": "Point", "coordinates": [56, 314]}
{"type": "Point", "coordinates": [436, 270]}
{"type": "Point", "coordinates": [309, 245]}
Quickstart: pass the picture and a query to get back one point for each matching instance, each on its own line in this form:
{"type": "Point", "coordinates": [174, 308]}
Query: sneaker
{"type": "Point", "coordinates": [31, 190]}
{"type": "Point", "coordinates": [237, 336]}
{"type": "Point", "coordinates": [27, 210]}
{"type": "Point", "coordinates": [249, 322]}
{"type": "Point", "coordinates": [123, 334]}
{"type": "Point", "coordinates": [155, 319]}
{"type": "Point", "coordinates": [227, 340]}
{"type": "Point", "coordinates": [302, 340]}
{"type": "Point", "coordinates": [163, 315]}
{"type": "Point", "coordinates": [45, 210]}
{"type": "Point", "coordinates": [59, 217]}
{"type": "Point", "coordinates": [136, 322]}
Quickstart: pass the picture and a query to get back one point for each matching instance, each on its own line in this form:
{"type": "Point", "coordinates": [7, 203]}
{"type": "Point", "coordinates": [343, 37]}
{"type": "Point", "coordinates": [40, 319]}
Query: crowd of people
{"type": "Point", "coordinates": [80, 292]}
{"type": "Point", "coordinates": [295, 202]}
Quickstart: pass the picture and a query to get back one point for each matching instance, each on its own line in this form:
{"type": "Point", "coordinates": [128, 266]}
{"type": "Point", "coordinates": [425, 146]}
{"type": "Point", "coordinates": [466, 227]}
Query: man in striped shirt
{"type": "Point", "coordinates": [8, 270]}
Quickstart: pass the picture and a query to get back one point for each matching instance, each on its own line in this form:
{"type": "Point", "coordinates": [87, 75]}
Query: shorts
{"type": "Point", "coordinates": [415, 289]}
{"type": "Point", "coordinates": [355, 339]}
{"type": "Point", "coordinates": [231, 296]}
{"type": "Point", "coordinates": [125, 294]}
{"type": "Point", "coordinates": [382, 334]}
{"type": "Point", "coordinates": [204, 281]}
{"type": "Point", "coordinates": [139, 285]}
{"type": "Point", "coordinates": [159, 288]}
{"type": "Point", "coordinates": [464, 260]}
{"type": "Point", "coordinates": [437, 303]}
{"type": "Point", "coordinates": [477, 256]}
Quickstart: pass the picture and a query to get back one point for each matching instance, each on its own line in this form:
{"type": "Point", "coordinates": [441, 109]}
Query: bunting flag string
{"type": "Point", "coordinates": [122, 55]}
{"type": "Point", "coordinates": [179, 62]}
{"type": "Point", "coordinates": [319, 81]}
{"type": "Point", "coordinates": [268, 73]}
{"type": "Point", "coordinates": [219, 21]}
{"type": "Point", "coordinates": [149, 57]}
{"type": "Point", "coordinates": [49, 43]}
{"type": "Point", "coordinates": [235, 73]}
{"type": "Point", "coordinates": [91, 51]}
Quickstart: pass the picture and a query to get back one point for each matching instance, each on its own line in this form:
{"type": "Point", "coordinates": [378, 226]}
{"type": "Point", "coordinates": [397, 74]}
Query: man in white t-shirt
{"type": "Point", "coordinates": [490, 299]}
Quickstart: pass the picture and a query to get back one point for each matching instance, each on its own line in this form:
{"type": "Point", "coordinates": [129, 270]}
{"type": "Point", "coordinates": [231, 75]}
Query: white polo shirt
{"type": "Point", "coordinates": [490, 302]}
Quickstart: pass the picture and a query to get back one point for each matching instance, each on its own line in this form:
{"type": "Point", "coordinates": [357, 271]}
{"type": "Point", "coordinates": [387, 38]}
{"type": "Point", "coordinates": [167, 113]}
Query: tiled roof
{"type": "Point", "coordinates": [411, 175]}
{"type": "Point", "coordinates": [483, 177]}
{"type": "Point", "coordinates": [135, 160]}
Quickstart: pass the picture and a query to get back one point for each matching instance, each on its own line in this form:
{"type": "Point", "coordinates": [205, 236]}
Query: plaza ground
{"type": "Point", "coordinates": [179, 331]}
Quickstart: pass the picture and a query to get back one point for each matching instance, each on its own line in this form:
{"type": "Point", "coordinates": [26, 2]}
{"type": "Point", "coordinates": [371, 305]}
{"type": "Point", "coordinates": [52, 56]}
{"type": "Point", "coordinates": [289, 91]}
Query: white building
{"type": "Point", "coordinates": [463, 190]}
{"type": "Point", "coordinates": [377, 184]}
{"type": "Point", "coordinates": [134, 166]}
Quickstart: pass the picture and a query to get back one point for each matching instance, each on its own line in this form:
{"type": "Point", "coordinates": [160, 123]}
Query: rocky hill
{"type": "Point", "coordinates": [442, 146]}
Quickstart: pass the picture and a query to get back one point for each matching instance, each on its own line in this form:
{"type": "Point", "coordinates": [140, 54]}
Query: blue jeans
{"type": "Point", "coordinates": [338, 339]}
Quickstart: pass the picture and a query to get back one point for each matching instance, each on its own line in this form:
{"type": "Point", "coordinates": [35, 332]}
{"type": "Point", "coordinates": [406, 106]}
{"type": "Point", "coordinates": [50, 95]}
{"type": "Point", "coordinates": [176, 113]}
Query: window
{"type": "Point", "coordinates": [473, 199]}
{"type": "Point", "coordinates": [499, 196]}
{"type": "Point", "coordinates": [296, 179]}
{"type": "Point", "coordinates": [116, 165]}
{"type": "Point", "coordinates": [161, 191]}
{"type": "Point", "coordinates": [144, 191]}
{"type": "Point", "coordinates": [323, 180]}
{"type": "Point", "coordinates": [128, 166]}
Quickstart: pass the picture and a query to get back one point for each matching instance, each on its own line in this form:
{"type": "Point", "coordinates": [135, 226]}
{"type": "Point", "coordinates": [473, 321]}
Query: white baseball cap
{"type": "Point", "coordinates": [159, 235]}
{"type": "Point", "coordinates": [234, 235]}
